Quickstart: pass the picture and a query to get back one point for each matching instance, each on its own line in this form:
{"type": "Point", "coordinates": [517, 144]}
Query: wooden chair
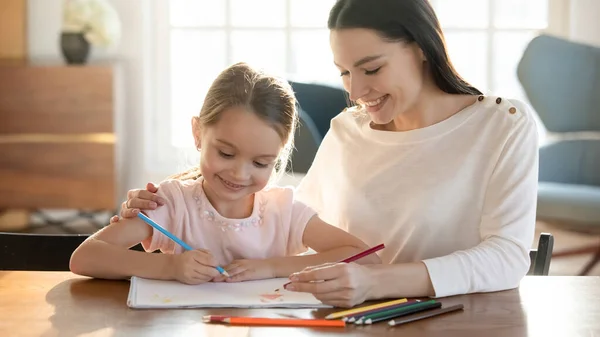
{"type": "Point", "coordinates": [540, 257]}
{"type": "Point", "coordinates": [39, 252]}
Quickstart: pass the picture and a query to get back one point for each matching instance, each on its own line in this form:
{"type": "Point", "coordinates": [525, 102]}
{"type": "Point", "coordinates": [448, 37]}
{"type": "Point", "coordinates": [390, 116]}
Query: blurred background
{"type": "Point", "coordinates": [96, 96]}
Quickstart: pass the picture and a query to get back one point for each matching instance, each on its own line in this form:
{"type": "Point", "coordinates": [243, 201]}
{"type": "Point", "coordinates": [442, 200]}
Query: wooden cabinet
{"type": "Point", "coordinates": [13, 31]}
{"type": "Point", "coordinates": [57, 139]}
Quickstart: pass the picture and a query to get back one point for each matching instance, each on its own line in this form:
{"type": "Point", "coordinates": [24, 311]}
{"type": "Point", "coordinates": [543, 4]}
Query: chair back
{"type": "Point", "coordinates": [306, 143]}
{"type": "Point", "coordinates": [39, 252]}
{"type": "Point", "coordinates": [320, 102]}
{"type": "Point", "coordinates": [562, 81]}
{"type": "Point", "coordinates": [540, 257]}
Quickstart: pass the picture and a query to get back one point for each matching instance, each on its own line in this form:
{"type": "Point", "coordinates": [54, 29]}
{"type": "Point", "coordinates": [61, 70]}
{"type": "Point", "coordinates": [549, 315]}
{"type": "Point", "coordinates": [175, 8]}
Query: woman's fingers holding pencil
{"type": "Point", "coordinates": [342, 284]}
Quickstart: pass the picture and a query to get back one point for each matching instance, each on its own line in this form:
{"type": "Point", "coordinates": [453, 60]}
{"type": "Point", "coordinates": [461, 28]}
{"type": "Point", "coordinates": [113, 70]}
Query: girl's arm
{"type": "Point", "coordinates": [332, 244]}
{"type": "Point", "coordinates": [106, 254]}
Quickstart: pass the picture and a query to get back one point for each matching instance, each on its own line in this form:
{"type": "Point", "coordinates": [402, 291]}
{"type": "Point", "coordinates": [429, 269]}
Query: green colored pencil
{"type": "Point", "coordinates": [416, 307]}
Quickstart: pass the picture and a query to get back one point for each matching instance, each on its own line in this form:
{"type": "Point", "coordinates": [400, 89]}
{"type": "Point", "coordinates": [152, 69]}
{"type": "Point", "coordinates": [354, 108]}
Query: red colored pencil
{"type": "Point", "coordinates": [353, 257]}
{"type": "Point", "coordinates": [363, 254]}
{"type": "Point", "coordinates": [274, 321]}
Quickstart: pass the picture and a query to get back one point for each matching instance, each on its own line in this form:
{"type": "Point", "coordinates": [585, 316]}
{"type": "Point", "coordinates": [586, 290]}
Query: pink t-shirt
{"type": "Point", "coordinates": [274, 229]}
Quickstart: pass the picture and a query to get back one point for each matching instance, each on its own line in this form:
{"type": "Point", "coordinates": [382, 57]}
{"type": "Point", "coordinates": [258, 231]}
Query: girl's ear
{"type": "Point", "coordinates": [196, 132]}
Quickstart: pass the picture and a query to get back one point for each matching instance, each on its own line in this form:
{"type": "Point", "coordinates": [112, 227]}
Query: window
{"type": "Point", "coordinates": [198, 38]}
{"type": "Point", "coordinates": [486, 39]}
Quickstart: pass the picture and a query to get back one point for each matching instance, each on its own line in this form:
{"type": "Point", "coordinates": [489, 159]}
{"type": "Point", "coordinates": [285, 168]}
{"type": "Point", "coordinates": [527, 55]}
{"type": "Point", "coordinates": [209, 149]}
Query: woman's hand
{"type": "Point", "coordinates": [139, 200]}
{"type": "Point", "coordinates": [194, 267]}
{"type": "Point", "coordinates": [245, 270]}
{"type": "Point", "coordinates": [339, 284]}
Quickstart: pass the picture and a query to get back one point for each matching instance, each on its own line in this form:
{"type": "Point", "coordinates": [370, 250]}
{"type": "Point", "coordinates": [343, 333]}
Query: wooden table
{"type": "Point", "coordinates": [62, 304]}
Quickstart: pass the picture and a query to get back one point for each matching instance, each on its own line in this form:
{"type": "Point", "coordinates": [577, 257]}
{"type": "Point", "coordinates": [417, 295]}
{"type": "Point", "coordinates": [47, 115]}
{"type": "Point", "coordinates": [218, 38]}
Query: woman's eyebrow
{"type": "Point", "coordinates": [363, 60]}
{"type": "Point", "coordinates": [366, 59]}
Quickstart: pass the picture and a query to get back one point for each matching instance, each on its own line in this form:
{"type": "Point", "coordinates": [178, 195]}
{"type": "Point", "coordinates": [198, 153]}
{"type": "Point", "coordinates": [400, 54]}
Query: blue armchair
{"type": "Point", "coordinates": [562, 81]}
{"type": "Point", "coordinates": [318, 104]}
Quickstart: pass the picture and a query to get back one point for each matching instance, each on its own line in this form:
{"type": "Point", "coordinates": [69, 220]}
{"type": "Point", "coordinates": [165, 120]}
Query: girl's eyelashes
{"type": "Point", "coordinates": [260, 165]}
{"type": "Point", "coordinates": [225, 155]}
{"type": "Point", "coordinates": [230, 156]}
{"type": "Point", "coordinates": [344, 73]}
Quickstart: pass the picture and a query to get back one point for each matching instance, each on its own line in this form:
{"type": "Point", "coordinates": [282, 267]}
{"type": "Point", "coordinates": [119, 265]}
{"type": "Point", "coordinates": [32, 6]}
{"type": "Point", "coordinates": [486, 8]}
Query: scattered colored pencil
{"type": "Point", "coordinates": [173, 237]}
{"type": "Point", "coordinates": [353, 257]}
{"type": "Point", "coordinates": [387, 315]}
{"type": "Point", "coordinates": [425, 314]}
{"type": "Point", "coordinates": [274, 321]}
{"type": "Point", "coordinates": [340, 314]}
{"type": "Point", "coordinates": [213, 318]}
{"type": "Point", "coordinates": [353, 318]}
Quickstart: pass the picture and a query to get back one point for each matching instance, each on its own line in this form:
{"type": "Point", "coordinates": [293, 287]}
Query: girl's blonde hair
{"type": "Point", "coordinates": [270, 98]}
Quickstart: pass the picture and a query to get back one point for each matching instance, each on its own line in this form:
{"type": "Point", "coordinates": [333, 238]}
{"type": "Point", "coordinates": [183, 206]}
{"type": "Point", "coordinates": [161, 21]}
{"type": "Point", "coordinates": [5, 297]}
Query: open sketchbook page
{"type": "Point", "coordinates": [145, 293]}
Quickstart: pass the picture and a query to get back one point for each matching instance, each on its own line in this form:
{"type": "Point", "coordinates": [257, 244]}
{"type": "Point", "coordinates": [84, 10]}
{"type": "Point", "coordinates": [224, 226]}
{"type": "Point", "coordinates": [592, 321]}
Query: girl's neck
{"type": "Point", "coordinates": [231, 209]}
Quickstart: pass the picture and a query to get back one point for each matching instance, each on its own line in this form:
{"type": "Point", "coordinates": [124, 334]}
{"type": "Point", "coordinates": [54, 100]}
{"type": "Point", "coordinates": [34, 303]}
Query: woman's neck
{"type": "Point", "coordinates": [235, 209]}
{"type": "Point", "coordinates": [432, 107]}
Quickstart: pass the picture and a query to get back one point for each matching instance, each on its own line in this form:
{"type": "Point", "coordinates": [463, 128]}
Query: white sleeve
{"type": "Point", "coordinates": [507, 225]}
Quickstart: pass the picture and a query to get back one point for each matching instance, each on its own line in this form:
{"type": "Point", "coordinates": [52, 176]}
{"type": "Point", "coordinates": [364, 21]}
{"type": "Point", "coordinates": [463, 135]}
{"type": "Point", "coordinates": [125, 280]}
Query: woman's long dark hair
{"type": "Point", "coordinates": [404, 21]}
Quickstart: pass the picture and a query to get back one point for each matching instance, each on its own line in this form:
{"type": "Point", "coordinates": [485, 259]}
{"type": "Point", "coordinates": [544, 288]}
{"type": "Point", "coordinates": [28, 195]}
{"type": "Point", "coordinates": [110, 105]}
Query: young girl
{"type": "Point", "coordinates": [244, 134]}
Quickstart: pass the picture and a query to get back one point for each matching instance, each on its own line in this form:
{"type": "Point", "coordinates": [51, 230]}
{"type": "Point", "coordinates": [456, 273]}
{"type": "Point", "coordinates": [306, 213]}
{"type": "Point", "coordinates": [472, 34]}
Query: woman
{"type": "Point", "coordinates": [444, 176]}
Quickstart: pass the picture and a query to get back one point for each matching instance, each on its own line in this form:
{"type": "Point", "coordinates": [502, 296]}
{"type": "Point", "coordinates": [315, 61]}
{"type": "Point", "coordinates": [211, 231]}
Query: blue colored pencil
{"type": "Point", "coordinates": [173, 237]}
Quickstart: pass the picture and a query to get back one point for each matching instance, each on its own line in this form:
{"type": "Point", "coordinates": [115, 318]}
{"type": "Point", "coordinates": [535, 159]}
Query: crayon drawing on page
{"type": "Point", "coordinates": [271, 297]}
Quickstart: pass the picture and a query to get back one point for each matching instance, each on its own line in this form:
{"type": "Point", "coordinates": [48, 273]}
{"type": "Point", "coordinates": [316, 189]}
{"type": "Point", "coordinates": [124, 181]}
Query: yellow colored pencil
{"type": "Point", "coordinates": [362, 309]}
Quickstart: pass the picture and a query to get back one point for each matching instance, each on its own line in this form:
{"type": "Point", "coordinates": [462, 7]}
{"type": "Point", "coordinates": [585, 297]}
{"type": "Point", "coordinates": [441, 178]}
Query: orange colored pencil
{"type": "Point", "coordinates": [283, 322]}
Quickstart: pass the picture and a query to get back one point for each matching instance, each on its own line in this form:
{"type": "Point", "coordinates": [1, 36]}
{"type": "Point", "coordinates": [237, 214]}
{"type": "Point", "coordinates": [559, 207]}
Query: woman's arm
{"type": "Point", "coordinates": [331, 244]}
{"type": "Point", "coordinates": [106, 254]}
{"type": "Point", "coordinates": [507, 222]}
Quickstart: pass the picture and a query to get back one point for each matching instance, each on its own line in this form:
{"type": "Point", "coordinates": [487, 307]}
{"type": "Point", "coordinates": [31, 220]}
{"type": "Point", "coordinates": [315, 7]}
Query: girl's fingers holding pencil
{"type": "Point", "coordinates": [203, 275]}
{"type": "Point", "coordinates": [204, 257]}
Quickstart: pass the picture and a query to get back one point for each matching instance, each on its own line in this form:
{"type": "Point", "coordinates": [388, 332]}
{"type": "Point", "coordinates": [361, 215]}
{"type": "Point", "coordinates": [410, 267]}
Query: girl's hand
{"type": "Point", "coordinates": [245, 270]}
{"type": "Point", "coordinates": [340, 284]}
{"type": "Point", "coordinates": [194, 267]}
{"type": "Point", "coordinates": [139, 200]}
